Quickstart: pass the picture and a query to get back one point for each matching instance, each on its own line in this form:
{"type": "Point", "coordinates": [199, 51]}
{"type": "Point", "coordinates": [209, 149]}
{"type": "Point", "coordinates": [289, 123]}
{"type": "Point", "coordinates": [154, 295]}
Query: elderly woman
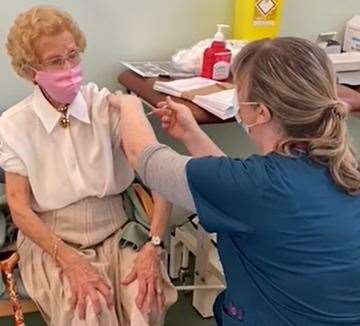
{"type": "Point", "coordinates": [288, 220]}
{"type": "Point", "coordinates": [65, 172]}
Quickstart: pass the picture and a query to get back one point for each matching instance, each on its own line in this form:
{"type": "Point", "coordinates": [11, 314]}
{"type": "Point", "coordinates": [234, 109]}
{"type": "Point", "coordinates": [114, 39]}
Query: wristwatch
{"type": "Point", "coordinates": [156, 241]}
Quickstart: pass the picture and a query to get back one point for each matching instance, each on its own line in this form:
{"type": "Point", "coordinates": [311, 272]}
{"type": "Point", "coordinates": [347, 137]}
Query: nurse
{"type": "Point", "coordinates": [288, 220]}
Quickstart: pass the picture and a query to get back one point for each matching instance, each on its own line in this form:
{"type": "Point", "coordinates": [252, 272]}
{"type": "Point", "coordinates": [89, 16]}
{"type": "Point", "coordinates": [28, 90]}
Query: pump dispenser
{"type": "Point", "coordinates": [217, 58]}
{"type": "Point", "coordinates": [219, 36]}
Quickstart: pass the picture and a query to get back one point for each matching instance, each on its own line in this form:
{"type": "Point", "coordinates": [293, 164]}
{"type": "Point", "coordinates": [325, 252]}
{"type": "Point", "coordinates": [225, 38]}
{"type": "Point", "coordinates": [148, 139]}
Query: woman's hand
{"type": "Point", "coordinates": [177, 119]}
{"type": "Point", "coordinates": [147, 270]}
{"type": "Point", "coordinates": [85, 281]}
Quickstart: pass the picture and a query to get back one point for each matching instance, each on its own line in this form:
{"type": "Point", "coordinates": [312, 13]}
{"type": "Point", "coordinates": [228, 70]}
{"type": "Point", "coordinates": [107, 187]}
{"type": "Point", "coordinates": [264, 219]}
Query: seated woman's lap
{"type": "Point", "coordinates": [51, 291]}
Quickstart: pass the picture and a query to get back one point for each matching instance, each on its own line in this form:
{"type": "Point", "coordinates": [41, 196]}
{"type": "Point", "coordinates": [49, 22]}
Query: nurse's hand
{"type": "Point", "coordinates": [147, 272]}
{"type": "Point", "coordinates": [177, 119]}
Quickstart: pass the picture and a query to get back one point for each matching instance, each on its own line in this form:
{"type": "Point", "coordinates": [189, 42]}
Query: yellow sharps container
{"type": "Point", "coordinates": [257, 19]}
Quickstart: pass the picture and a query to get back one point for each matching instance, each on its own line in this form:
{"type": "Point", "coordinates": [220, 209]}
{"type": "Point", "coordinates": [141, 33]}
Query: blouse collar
{"type": "Point", "coordinates": [49, 116]}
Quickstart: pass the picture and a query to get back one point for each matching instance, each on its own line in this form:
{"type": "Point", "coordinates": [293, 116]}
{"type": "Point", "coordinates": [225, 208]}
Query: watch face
{"type": "Point", "coordinates": [156, 240]}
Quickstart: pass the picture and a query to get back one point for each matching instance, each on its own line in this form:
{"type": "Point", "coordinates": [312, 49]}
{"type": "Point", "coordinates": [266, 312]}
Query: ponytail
{"type": "Point", "coordinates": [295, 80]}
{"type": "Point", "coordinates": [331, 147]}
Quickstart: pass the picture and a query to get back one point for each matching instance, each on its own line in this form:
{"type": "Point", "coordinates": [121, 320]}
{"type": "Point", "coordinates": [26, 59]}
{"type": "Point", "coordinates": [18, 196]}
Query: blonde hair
{"type": "Point", "coordinates": [295, 80]}
{"type": "Point", "coordinates": [29, 26]}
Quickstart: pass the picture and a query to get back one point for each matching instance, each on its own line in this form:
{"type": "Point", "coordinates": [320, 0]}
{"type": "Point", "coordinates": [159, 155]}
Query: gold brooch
{"type": "Point", "coordinates": [64, 121]}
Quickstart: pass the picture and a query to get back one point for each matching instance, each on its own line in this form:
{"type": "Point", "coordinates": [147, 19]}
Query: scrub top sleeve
{"type": "Point", "coordinates": [163, 170]}
{"type": "Point", "coordinates": [226, 192]}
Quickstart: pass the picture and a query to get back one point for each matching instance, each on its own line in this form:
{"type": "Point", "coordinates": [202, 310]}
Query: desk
{"type": "Point", "coordinates": [143, 87]}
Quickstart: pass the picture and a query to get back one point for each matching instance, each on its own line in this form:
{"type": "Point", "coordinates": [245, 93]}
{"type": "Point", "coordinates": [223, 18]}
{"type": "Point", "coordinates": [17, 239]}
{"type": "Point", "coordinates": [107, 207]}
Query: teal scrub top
{"type": "Point", "coordinates": [288, 239]}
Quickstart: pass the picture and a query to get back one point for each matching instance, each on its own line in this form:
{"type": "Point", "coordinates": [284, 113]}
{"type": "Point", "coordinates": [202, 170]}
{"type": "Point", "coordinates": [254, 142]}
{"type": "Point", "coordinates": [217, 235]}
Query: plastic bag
{"type": "Point", "coordinates": [190, 60]}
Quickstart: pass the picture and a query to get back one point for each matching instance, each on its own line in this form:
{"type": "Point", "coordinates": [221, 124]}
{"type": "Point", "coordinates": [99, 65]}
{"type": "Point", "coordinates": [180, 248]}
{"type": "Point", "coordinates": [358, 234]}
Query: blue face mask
{"type": "Point", "coordinates": [237, 105]}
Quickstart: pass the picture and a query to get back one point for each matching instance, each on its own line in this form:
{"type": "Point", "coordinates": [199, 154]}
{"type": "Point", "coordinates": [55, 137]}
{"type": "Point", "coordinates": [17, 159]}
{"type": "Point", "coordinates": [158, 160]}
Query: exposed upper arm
{"type": "Point", "coordinates": [18, 191]}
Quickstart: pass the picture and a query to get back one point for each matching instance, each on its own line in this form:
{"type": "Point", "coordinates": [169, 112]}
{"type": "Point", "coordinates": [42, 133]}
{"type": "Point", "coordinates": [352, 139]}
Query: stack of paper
{"type": "Point", "coordinates": [215, 97]}
{"type": "Point", "coordinates": [156, 69]}
{"type": "Point", "coordinates": [177, 87]}
{"type": "Point", "coordinates": [346, 61]}
{"type": "Point", "coordinates": [351, 78]}
{"type": "Point", "coordinates": [219, 104]}
{"type": "Point", "coordinates": [347, 67]}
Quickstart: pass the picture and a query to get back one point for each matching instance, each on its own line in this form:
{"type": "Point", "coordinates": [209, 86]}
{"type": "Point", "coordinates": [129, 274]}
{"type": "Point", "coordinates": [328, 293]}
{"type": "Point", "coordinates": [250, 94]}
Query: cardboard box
{"type": "Point", "coordinates": [352, 35]}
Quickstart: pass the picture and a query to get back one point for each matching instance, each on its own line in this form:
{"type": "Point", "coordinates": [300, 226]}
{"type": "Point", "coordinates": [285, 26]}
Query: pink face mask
{"type": "Point", "coordinates": [62, 85]}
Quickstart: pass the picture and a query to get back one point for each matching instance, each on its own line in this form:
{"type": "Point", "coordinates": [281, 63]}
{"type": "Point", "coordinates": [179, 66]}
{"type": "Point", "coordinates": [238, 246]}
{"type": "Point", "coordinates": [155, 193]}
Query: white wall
{"type": "Point", "coordinates": [154, 29]}
{"type": "Point", "coordinates": [120, 30]}
{"type": "Point", "coordinates": [306, 18]}
{"type": "Point", "coordinates": [141, 29]}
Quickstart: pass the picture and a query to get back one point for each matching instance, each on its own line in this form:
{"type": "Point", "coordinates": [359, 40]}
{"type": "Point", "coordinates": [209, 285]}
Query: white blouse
{"type": "Point", "coordinates": [65, 165]}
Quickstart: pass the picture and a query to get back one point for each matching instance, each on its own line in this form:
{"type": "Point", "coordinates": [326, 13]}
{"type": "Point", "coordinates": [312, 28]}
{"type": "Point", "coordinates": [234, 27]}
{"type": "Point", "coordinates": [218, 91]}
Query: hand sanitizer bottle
{"type": "Point", "coordinates": [217, 58]}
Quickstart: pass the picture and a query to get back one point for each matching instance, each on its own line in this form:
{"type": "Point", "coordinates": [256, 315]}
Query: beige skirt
{"type": "Point", "coordinates": [93, 227]}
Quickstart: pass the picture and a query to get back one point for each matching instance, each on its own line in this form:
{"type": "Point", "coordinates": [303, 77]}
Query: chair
{"type": "Point", "coordinates": [209, 278]}
{"type": "Point", "coordinates": [17, 307]}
